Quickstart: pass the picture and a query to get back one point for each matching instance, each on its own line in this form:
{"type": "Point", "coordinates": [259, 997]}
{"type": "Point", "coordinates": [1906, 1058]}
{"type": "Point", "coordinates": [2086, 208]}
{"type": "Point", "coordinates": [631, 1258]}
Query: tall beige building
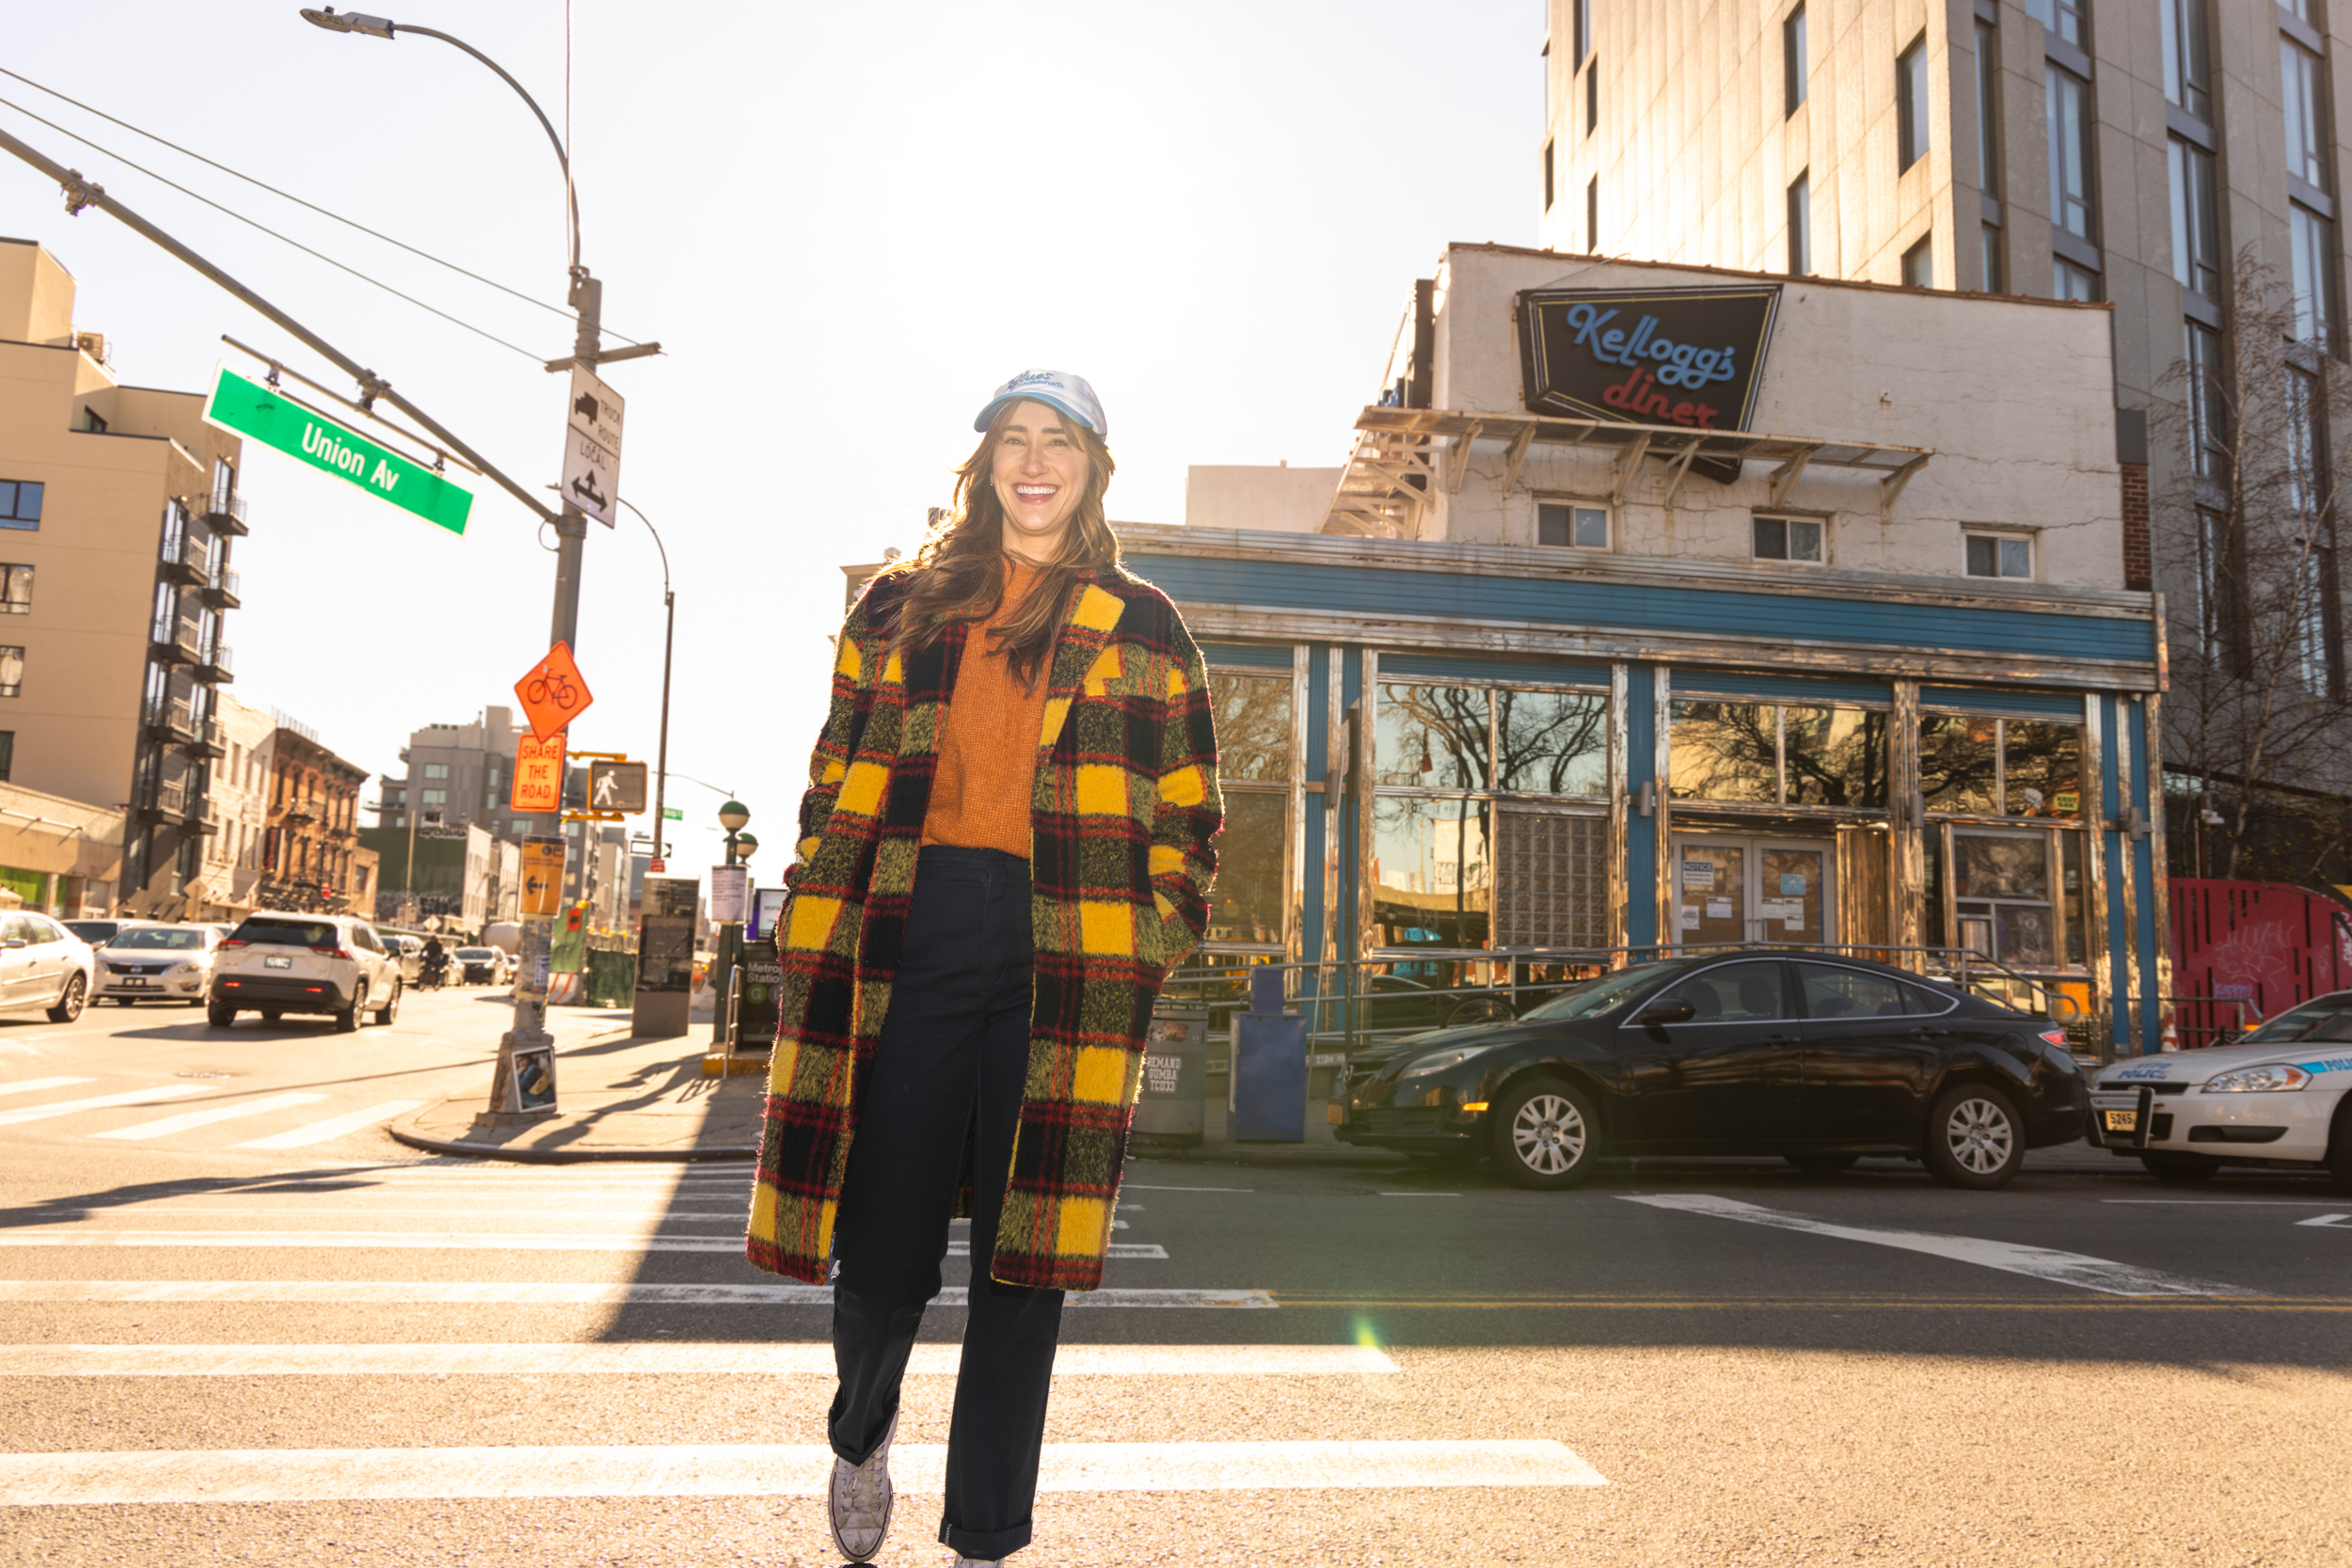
{"type": "Point", "coordinates": [119, 507]}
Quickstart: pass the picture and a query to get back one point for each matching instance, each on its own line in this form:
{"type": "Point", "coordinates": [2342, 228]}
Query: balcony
{"type": "Point", "coordinates": [163, 802]}
{"type": "Point", "coordinates": [220, 589]}
{"type": "Point", "coordinates": [172, 640]}
{"type": "Point", "coordinates": [187, 555]}
{"type": "Point", "coordinates": [210, 739]}
{"type": "Point", "coordinates": [216, 664]}
{"type": "Point", "coordinates": [225, 513]}
{"type": "Point", "coordinates": [167, 722]}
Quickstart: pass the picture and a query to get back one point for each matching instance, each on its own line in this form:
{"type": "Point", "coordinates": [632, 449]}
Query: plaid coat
{"type": "Point", "coordinates": [1125, 803]}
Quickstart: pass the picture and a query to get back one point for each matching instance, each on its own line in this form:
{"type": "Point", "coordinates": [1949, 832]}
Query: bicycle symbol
{"type": "Point", "coordinates": [551, 686]}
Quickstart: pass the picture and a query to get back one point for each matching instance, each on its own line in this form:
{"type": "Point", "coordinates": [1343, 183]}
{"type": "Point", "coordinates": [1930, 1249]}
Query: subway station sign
{"type": "Point", "coordinates": [263, 413]}
{"type": "Point", "coordinates": [1665, 357]}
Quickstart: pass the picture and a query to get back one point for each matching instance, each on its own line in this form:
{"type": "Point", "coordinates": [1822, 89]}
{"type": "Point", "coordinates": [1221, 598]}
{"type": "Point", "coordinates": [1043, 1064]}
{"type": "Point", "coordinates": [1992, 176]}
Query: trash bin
{"type": "Point", "coordinates": [1269, 1077]}
{"type": "Point", "coordinates": [1175, 1078]}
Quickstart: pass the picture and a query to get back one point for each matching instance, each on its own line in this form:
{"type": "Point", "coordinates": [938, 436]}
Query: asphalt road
{"type": "Point", "coordinates": [275, 1337]}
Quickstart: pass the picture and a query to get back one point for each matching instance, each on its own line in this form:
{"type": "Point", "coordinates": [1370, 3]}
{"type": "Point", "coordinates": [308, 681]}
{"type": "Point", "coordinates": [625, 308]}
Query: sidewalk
{"type": "Point", "coordinates": [625, 1098]}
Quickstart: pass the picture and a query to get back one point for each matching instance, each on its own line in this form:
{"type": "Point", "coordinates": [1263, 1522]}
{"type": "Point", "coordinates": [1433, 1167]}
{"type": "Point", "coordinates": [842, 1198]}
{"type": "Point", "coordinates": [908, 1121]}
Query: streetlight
{"type": "Point", "coordinates": [732, 816]}
{"type": "Point", "coordinates": [669, 628]}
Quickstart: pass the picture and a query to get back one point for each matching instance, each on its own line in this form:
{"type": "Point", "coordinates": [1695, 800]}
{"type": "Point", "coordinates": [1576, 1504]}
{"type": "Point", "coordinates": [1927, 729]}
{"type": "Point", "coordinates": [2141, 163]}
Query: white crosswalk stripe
{"type": "Point", "coordinates": [769, 1359]}
{"type": "Point", "coordinates": [98, 1103]}
{"type": "Point", "coordinates": [29, 1085]}
{"type": "Point", "coordinates": [334, 1127]}
{"type": "Point", "coordinates": [183, 1123]}
{"type": "Point", "coordinates": [549, 1293]}
{"type": "Point", "coordinates": [460, 1240]}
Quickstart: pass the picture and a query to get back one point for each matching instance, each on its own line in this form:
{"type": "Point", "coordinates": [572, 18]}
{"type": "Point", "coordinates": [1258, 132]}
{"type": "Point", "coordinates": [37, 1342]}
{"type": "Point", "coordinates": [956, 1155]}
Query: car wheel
{"type": "Point", "coordinates": [1822, 1164]}
{"type": "Point", "coordinates": [390, 1010]}
{"type": "Point", "coordinates": [1974, 1138]}
{"type": "Point", "coordinates": [347, 1022]}
{"type": "Point", "coordinates": [220, 1017]}
{"type": "Point", "coordinates": [70, 1001]}
{"type": "Point", "coordinates": [2182, 1167]}
{"type": "Point", "coordinates": [1544, 1136]}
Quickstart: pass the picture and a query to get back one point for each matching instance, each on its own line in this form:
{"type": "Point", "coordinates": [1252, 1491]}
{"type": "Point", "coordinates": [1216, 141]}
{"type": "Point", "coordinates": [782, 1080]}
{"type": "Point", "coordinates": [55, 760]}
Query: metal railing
{"type": "Point", "coordinates": [219, 656]}
{"type": "Point", "coordinates": [172, 631]}
{"type": "Point", "coordinates": [2200, 1022]}
{"type": "Point", "coordinates": [222, 503]}
{"type": "Point", "coordinates": [223, 580]}
{"type": "Point", "coordinates": [170, 713]}
{"type": "Point", "coordinates": [1347, 1010]}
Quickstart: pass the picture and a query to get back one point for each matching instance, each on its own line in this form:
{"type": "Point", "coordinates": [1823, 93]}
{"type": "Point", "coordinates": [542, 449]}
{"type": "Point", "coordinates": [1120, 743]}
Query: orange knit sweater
{"type": "Point", "coordinates": [987, 748]}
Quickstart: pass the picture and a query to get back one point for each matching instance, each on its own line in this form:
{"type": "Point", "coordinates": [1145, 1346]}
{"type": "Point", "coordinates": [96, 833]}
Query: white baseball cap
{"type": "Point", "coordinates": [1056, 389]}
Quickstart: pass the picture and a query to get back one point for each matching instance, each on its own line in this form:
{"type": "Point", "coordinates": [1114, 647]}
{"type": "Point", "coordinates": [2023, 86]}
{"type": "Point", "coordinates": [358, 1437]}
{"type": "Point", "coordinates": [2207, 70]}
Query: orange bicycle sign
{"type": "Point", "coordinates": [553, 692]}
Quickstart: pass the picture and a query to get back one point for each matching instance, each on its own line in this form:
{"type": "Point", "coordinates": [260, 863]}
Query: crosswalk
{"type": "Point", "coordinates": [101, 1113]}
{"type": "Point", "coordinates": [513, 1245]}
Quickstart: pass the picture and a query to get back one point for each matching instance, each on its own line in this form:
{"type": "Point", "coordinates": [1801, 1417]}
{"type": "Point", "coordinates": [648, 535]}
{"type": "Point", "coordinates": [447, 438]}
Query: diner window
{"type": "Point", "coordinates": [20, 503]}
{"type": "Point", "coordinates": [1911, 103]}
{"type": "Point", "coordinates": [1566, 523]}
{"type": "Point", "coordinates": [1552, 742]}
{"type": "Point", "coordinates": [1787, 539]}
{"type": "Point", "coordinates": [2196, 227]}
{"type": "Point", "coordinates": [16, 589]}
{"type": "Point", "coordinates": [1792, 62]}
{"type": "Point", "coordinates": [1995, 555]}
{"type": "Point", "coordinates": [1801, 225]}
{"type": "Point", "coordinates": [1431, 872]}
{"type": "Point", "coordinates": [1432, 737]}
{"type": "Point", "coordinates": [1254, 712]}
{"type": "Point", "coordinates": [2067, 113]}
{"type": "Point", "coordinates": [1972, 764]}
{"type": "Point", "coordinates": [2002, 897]}
{"type": "Point", "coordinates": [1253, 727]}
{"type": "Point", "coordinates": [1919, 263]}
{"type": "Point", "coordinates": [2187, 62]}
{"type": "Point", "coordinates": [1764, 753]}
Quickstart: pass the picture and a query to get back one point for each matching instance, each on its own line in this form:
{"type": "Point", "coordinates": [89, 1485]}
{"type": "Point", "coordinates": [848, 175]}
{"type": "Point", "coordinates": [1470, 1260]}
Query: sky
{"type": "Point", "coordinates": [845, 224]}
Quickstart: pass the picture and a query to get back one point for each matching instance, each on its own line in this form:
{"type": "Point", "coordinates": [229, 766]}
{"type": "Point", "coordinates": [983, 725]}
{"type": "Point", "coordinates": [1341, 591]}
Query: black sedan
{"type": "Point", "coordinates": [1819, 1060]}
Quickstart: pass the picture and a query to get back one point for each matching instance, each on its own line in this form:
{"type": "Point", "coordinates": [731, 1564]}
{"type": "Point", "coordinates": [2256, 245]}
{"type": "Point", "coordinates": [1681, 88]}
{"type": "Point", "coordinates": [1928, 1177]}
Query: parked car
{"type": "Point", "coordinates": [479, 966]}
{"type": "Point", "coordinates": [100, 933]}
{"type": "Point", "coordinates": [157, 963]}
{"type": "Point", "coordinates": [304, 964]}
{"type": "Point", "coordinates": [43, 965]}
{"type": "Point", "coordinates": [2279, 1096]}
{"type": "Point", "coordinates": [1820, 1061]}
{"type": "Point", "coordinates": [406, 951]}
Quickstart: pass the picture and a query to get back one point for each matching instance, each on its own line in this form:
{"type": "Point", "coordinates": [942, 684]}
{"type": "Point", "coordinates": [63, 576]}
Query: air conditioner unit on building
{"type": "Point", "coordinates": [91, 343]}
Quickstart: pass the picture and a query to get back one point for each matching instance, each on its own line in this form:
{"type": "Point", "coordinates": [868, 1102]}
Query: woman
{"type": "Point", "coordinates": [1005, 844]}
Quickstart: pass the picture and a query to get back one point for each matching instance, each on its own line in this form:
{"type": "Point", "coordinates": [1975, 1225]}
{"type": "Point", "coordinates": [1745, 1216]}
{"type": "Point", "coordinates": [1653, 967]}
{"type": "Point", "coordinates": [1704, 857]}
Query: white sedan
{"type": "Point", "coordinates": [2278, 1096]}
{"type": "Point", "coordinates": [158, 964]}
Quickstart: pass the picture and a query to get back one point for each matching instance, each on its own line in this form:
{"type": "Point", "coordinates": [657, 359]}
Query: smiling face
{"type": "Point", "coordinates": [1040, 473]}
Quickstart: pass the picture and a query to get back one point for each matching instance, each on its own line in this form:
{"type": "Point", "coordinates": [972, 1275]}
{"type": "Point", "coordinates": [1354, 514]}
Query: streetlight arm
{"type": "Point", "coordinates": [571, 199]}
{"type": "Point", "coordinates": [81, 193]}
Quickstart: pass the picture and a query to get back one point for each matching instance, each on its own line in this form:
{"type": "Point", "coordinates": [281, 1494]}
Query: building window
{"type": "Point", "coordinates": [1988, 110]}
{"type": "Point", "coordinates": [1787, 539]}
{"type": "Point", "coordinates": [16, 589]}
{"type": "Point", "coordinates": [1591, 216]}
{"type": "Point", "coordinates": [11, 671]}
{"type": "Point", "coordinates": [2208, 414]}
{"type": "Point", "coordinates": [2305, 100]}
{"type": "Point", "coordinates": [436, 770]}
{"type": "Point", "coordinates": [1974, 765]}
{"type": "Point", "coordinates": [1582, 527]}
{"type": "Point", "coordinates": [20, 503]}
{"type": "Point", "coordinates": [92, 423]}
{"type": "Point", "coordinates": [1919, 263]}
{"type": "Point", "coordinates": [1255, 711]}
{"type": "Point", "coordinates": [1764, 753]}
{"type": "Point", "coordinates": [1911, 103]}
{"type": "Point", "coordinates": [1801, 225]}
{"type": "Point", "coordinates": [1993, 555]}
{"type": "Point", "coordinates": [432, 797]}
{"type": "Point", "coordinates": [1580, 40]}
{"type": "Point", "coordinates": [1592, 99]}
{"type": "Point", "coordinates": [1793, 71]}
{"type": "Point", "coordinates": [2188, 66]}
{"type": "Point", "coordinates": [8, 753]}
{"type": "Point", "coordinates": [2062, 17]}
{"type": "Point", "coordinates": [1992, 272]}
{"type": "Point", "coordinates": [2069, 281]}
{"type": "Point", "coordinates": [2196, 232]}
{"type": "Point", "coordinates": [1548, 177]}
{"type": "Point", "coordinates": [2311, 239]}
{"type": "Point", "coordinates": [2068, 110]}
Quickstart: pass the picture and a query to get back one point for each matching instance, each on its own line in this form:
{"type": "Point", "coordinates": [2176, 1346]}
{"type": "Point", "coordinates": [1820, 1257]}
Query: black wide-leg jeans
{"type": "Point", "coordinates": [953, 1057]}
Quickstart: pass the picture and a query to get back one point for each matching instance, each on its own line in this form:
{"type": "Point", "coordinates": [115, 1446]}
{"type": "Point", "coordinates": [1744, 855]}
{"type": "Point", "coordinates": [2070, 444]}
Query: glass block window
{"type": "Point", "coordinates": [1551, 881]}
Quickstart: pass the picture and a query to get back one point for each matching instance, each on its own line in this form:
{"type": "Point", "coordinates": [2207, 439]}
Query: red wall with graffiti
{"type": "Point", "coordinates": [2265, 944]}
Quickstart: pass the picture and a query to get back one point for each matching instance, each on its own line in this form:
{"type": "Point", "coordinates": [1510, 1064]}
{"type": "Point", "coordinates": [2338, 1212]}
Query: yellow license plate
{"type": "Point", "coordinates": [1336, 1113]}
{"type": "Point", "coordinates": [2122, 1122]}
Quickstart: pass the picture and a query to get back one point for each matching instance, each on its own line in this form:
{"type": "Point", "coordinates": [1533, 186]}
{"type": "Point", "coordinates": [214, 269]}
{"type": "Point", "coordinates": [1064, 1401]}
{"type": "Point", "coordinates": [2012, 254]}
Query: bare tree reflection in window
{"type": "Point", "coordinates": [1552, 742]}
{"type": "Point", "coordinates": [1433, 736]}
{"type": "Point", "coordinates": [1836, 756]}
{"type": "Point", "coordinates": [1959, 753]}
{"type": "Point", "coordinates": [1725, 751]}
{"type": "Point", "coordinates": [1253, 726]}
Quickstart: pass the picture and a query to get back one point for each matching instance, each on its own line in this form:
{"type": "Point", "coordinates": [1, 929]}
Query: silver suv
{"type": "Point", "coordinates": [304, 964]}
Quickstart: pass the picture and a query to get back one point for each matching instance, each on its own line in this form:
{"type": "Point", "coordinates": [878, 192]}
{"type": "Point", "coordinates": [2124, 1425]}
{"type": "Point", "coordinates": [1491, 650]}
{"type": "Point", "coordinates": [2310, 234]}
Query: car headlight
{"type": "Point", "coordinates": [1437, 1061]}
{"type": "Point", "coordinates": [2258, 1080]}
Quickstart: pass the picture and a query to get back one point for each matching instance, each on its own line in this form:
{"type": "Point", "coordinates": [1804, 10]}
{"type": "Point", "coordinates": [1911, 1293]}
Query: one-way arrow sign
{"type": "Point", "coordinates": [592, 447]}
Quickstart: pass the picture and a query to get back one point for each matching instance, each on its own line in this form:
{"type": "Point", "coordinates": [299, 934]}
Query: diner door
{"type": "Point", "coordinates": [1730, 890]}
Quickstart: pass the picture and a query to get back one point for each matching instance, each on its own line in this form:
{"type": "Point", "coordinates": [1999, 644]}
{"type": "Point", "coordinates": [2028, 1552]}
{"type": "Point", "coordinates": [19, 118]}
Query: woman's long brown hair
{"type": "Point", "coordinates": [959, 574]}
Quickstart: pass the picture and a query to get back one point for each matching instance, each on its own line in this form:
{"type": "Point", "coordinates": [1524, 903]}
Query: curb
{"type": "Point", "coordinates": [466, 1149]}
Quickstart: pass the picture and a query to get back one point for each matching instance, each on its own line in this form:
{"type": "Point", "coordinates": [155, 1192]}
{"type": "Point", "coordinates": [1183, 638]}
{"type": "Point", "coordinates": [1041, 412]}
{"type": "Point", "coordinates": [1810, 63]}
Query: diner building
{"type": "Point", "coordinates": [1660, 606]}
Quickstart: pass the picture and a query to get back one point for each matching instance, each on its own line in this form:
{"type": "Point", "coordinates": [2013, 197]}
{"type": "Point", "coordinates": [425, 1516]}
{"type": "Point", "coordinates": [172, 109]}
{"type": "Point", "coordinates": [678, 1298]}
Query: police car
{"type": "Point", "coordinates": [2279, 1096]}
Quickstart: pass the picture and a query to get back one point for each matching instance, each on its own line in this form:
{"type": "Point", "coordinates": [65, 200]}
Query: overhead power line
{"type": "Point", "coordinates": [288, 195]}
{"type": "Point", "coordinates": [271, 232]}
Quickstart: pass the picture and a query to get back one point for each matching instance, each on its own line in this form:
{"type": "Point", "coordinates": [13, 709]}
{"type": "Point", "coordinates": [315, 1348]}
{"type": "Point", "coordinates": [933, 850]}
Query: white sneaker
{"type": "Point", "coordinates": [979, 1561]}
{"type": "Point", "coordinates": [861, 1499]}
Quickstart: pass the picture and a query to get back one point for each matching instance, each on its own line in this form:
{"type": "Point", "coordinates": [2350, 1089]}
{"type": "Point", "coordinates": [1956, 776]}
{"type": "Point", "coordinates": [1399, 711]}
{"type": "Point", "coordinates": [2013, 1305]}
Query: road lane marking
{"type": "Point", "coordinates": [26, 1086]}
{"type": "Point", "coordinates": [310, 1208]}
{"type": "Point", "coordinates": [1140, 1187]}
{"type": "Point", "coordinates": [78, 1235]}
{"type": "Point", "coordinates": [780, 1469]}
{"type": "Point", "coordinates": [568, 1359]}
{"type": "Point", "coordinates": [169, 1125]}
{"type": "Point", "coordinates": [2064, 1268]}
{"type": "Point", "coordinates": [2334, 1221]}
{"type": "Point", "coordinates": [1421, 1194]}
{"type": "Point", "coordinates": [2226, 1202]}
{"type": "Point", "coordinates": [334, 1127]}
{"type": "Point", "coordinates": [545, 1293]}
{"type": "Point", "coordinates": [99, 1102]}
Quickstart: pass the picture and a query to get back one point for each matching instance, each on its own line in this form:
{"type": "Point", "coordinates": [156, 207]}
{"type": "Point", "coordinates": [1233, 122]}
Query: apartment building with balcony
{"type": "Point", "coordinates": [119, 510]}
{"type": "Point", "coordinates": [312, 857]}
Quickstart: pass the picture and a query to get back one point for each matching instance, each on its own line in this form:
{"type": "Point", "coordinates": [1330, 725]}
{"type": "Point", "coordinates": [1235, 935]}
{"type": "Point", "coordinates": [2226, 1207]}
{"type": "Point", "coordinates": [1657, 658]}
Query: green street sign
{"type": "Point", "coordinates": [673, 813]}
{"type": "Point", "coordinates": [261, 414]}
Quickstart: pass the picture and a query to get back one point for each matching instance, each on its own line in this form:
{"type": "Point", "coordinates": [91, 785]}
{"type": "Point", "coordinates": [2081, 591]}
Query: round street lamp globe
{"type": "Point", "coordinates": [733, 815]}
{"type": "Point", "coordinates": [744, 845]}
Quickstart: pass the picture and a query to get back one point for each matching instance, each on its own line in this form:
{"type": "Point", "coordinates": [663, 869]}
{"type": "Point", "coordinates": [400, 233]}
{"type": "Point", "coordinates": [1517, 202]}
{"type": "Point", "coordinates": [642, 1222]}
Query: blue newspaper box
{"type": "Point", "coordinates": [1269, 1077]}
